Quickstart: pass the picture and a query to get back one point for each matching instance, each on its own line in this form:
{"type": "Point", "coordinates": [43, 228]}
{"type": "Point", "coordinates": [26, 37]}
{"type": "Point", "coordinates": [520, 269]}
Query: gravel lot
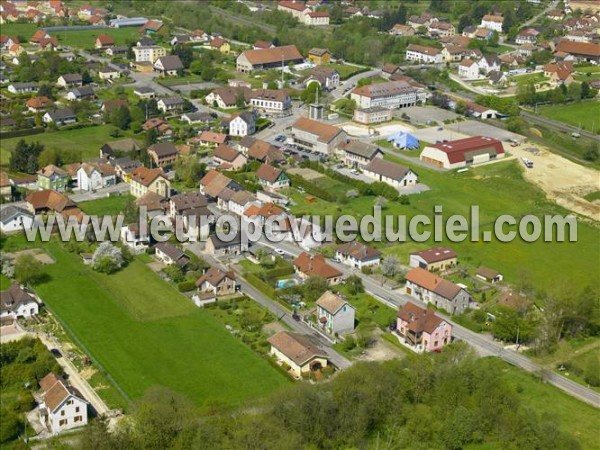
{"type": "Point", "coordinates": [423, 114]}
{"type": "Point", "coordinates": [474, 128]}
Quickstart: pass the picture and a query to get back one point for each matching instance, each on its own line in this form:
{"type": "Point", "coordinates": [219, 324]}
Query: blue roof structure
{"type": "Point", "coordinates": [403, 140]}
{"type": "Point", "coordinates": [128, 22]}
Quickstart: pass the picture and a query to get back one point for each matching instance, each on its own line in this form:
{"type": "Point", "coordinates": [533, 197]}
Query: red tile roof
{"type": "Point", "coordinates": [315, 266]}
{"type": "Point", "coordinates": [457, 150]}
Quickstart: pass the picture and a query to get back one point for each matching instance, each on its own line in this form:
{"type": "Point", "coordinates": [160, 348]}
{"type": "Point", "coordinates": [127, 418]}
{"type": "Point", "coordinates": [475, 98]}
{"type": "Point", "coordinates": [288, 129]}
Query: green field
{"type": "Point", "coordinates": [75, 38]}
{"type": "Point", "coordinates": [530, 78]}
{"type": "Point", "coordinates": [497, 189]}
{"type": "Point", "coordinates": [86, 142]}
{"type": "Point", "coordinates": [111, 206]}
{"type": "Point", "coordinates": [144, 333]}
{"type": "Point", "coordinates": [585, 114]}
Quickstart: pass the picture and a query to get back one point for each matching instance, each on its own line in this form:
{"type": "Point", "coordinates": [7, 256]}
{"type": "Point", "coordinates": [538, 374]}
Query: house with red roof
{"type": "Point", "coordinates": [421, 329]}
{"type": "Point", "coordinates": [443, 294]}
{"type": "Point", "coordinates": [104, 41]}
{"type": "Point", "coordinates": [463, 152]}
{"type": "Point", "coordinates": [307, 265]}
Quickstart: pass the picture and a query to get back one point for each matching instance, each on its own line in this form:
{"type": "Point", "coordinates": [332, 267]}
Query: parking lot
{"type": "Point", "coordinates": [437, 133]}
{"type": "Point", "coordinates": [475, 128]}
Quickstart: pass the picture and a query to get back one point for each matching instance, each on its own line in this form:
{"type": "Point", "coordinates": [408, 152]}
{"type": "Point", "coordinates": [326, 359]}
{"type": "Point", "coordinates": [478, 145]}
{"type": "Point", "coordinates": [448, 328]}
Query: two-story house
{"type": "Point", "coordinates": [137, 241]}
{"type": "Point", "coordinates": [272, 178]}
{"type": "Point", "coordinates": [62, 407]}
{"type": "Point", "coordinates": [358, 154]}
{"type": "Point", "coordinates": [92, 176]}
{"type": "Point", "coordinates": [307, 265]}
{"type": "Point", "coordinates": [52, 177]}
{"type": "Point", "coordinates": [433, 259]}
{"type": "Point", "coordinates": [217, 282]}
{"type": "Point", "coordinates": [335, 315]}
{"type": "Point", "coordinates": [16, 302]}
{"type": "Point", "coordinates": [358, 255]}
{"type": "Point", "coordinates": [429, 288]}
{"type": "Point", "coordinates": [163, 153]}
{"type": "Point", "coordinates": [145, 180]}
{"type": "Point", "coordinates": [242, 124]}
{"type": "Point", "coordinates": [421, 329]}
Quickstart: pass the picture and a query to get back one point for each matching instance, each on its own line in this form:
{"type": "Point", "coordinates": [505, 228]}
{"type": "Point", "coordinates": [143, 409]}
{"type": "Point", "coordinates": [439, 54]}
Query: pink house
{"type": "Point", "coordinates": [421, 329]}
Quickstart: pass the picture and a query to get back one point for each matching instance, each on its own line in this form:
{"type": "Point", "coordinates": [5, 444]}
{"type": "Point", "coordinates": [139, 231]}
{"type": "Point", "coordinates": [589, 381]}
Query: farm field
{"type": "Point", "coordinates": [497, 189]}
{"type": "Point", "coordinates": [584, 114]}
{"type": "Point", "coordinates": [144, 333]}
{"type": "Point", "coordinates": [84, 141]}
{"type": "Point", "coordinates": [111, 206]}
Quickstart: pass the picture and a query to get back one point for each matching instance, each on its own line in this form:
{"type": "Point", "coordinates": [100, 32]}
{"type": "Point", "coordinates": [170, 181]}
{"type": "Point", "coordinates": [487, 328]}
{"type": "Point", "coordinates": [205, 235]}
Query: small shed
{"type": "Point", "coordinates": [403, 140]}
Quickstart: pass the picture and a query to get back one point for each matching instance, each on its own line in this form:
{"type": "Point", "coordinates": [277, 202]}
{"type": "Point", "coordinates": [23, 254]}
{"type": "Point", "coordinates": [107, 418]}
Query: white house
{"type": "Point", "coordinates": [15, 219]}
{"type": "Point", "coordinates": [424, 54]}
{"type": "Point", "coordinates": [242, 124]}
{"type": "Point", "coordinates": [22, 88]}
{"type": "Point", "coordinates": [59, 116]}
{"type": "Point", "coordinates": [489, 63]}
{"type": "Point", "coordinates": [335, 315]}
{"type": "Point", "coordinates": [132, 238]}
{"type": "Point", "coordinates": [95, 176]}
{"type": "Point", "coordinates": [468, 69]}
{"type": "Point", "coordinates": [17, 302]}
{"type": "Point", "coordinates": [169, 254]}
{"type": "Point", "coordinates": [358, 255]}
{"type": "Point", "coordinates": [170, 103]}
{"type": "Point", "coordinates": [492, 22]}
{"type": "Point", "coordinates": [62, 406]}
{"type": "Point", "coordinates": [108, 74]}
{"type": "Point", "coordinates": [390, 173]}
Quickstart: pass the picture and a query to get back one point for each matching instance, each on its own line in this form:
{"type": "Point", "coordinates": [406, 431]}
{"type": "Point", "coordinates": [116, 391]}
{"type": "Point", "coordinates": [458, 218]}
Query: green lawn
{"type": "Point", "coordinates": [144, 333]}
{"type": "Point", "coordinates": [592, 196]}
{"type": "Point", "coordinates": [21, 30]}
{"type": "Point", "coordinates": [4, 282]}
{"type": "Point", "coordinates": [111, 206]}
{"type": "Point", "coordinates": [530, 78]}
{"type": "Point", "coordinates": [497, 189]}
{"type": "Point", "coordinates": [85, 141]}
{"type": "Point", "coordinates": [583, 114]}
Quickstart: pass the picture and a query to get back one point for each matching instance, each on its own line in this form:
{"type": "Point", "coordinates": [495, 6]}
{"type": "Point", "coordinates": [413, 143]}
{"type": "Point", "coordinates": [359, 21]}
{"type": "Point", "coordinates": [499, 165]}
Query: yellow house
{"type": "Point", "coordinates": [144, 180]}
{"type": "Point", "coordinates": [220, 44]}
{"type": "Point", "coordinates": [297, 352]}
{"type": "Point", "coordinates": [319, 56]}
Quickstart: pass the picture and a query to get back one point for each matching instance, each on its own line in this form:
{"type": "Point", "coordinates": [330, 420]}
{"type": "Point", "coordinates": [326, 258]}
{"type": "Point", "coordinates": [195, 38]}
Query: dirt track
{"type": "Point", "coordinates": [562, 180]}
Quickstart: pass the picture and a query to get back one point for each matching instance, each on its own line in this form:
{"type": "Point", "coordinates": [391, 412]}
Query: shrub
{"type": "Point", "coordinates": [186, 286]}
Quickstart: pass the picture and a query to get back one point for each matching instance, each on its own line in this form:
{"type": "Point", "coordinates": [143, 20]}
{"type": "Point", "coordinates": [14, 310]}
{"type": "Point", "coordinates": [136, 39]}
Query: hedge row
{"type": "Point", "coordinates": [310, 188]}
{"type": "Point", "coordinates": [277, 272]}
{"type": "Point", "coordinates": [186, 286]}
{"type": "Point", "coordinates": [23, 132]}
{"type": "Point", "coordinates": [261, 285]}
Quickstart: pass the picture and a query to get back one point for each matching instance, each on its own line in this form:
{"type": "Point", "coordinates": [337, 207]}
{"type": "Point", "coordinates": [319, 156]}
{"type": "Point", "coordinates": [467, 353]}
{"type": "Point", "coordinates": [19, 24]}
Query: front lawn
{"type": "Point", "coordinates": [144, 333]}
{"type": "Point", "coordinates": [110, 206]}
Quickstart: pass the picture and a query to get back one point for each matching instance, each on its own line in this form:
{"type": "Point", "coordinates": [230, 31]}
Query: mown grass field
{"type": "Point", "coordinates": [584, 114]}
{"type": "Point", "coordinates": [497, 189]}
{"type": "Point", "coordinates": [144, 333]}
{"type": "Point", "coordinates": [85, 141]}
{"type": "Point", "coordinates": [74, 38]}
{"type": "Point", "coordinates": [110, 206]}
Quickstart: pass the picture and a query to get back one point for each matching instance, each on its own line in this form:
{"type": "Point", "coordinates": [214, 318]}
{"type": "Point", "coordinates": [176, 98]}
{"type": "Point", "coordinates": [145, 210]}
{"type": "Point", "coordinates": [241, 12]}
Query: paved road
{"type": "Point", "coordinates": [278, 311]}
{"type": "Point", "coordinates": [351, 82]}
{"type": "Point", "coordinates": [558, 125]}
{"type": "Point", "coordinates": [552, 5]}
{"type": "Point", "coordinates": [482, 343]}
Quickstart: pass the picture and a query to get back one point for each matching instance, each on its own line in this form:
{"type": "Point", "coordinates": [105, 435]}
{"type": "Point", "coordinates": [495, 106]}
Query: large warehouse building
{"type": "Point", "coordinates": [463, 152]}
{"type": "Point", "coordinates": [267, 58]}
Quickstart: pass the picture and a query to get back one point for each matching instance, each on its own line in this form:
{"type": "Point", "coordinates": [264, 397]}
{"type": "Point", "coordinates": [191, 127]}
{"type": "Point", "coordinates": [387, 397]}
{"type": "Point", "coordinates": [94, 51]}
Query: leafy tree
{"type": "Point", "coordinates": [355, 285]}
{"type": "Point", "coordinates": [197, 66]}
{"type": "Point", "coordinates": [185, 54]}
{"type": "Point", "coordinates": [309, 94]}
{"type": "Point", "coordinates": [390, 266]}
{"type": "Point", "coordinates": [592, 153]}
{"type": "Point", "coordinates": [151, 137]}
{"type": "Point", "coordinates": [50, 156]}
{"type": "Point", "coordinates": [24, 157]}
{"type": "Point", "coordinates": [120, 117]}
{"type": "Point", "coordinates": [28, 270]}
{"type": "Point", "coordinates": [314, 287]}
{"type": "Point", "coordinates": [107, 258]}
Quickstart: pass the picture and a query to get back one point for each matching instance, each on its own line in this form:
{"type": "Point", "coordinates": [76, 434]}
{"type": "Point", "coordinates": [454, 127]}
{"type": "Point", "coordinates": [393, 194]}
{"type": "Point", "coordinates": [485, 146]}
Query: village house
{"type": "Point", "coordinates": [5, 186]}
{"type": "Point", "coordinates": [441, 29]}
{"type": "Point", "coordinates": [240, 201]}
{"type": "Point", "coordinates": [104, 41]}
{"type": "Point", "coordinates": [260, 44]}
{"type": "Point", "coordinates": [316, 18]}
{"type": "Point", "coordinates": [434, 259]}
{"type": "Point", "coordinates": [116, 51]}
{"type": "Point", "coordinates": [229, 97]}
{"type": "Point", "coordinates": [144, 92]}
{"type": "Point", "coordinates": [402, 30]}
{"type": "Point", "coordinates": [268, 58]}
{"type": "Point", "coordinates": [297, 352]}
{"type": "Point", "coordinates": [62, 407]}
{"type": "Point", "coordinates": [421, 329]}
{"type": "Point", "coordinates": [468, 69]}
{"type": "Point", "coordinates": [173, 103]}
{"type": "Point", "coordinates": [559, 72]}
{"type": "Point", "coordinates": [109, 106]}
{"type": "Point", "coordinates": [145, 180]}
{"type": "Point", "coordinates": [272, 101]}
{"type": "Point", "coordinates": [390, 173]}
{"type": "Point", "coordinates": [259, 150]}
{"type": "Point", "coordinates": [327, 78]}
{"type": "Point", "coordinates": [214, 182]}
{"type": "Point", "coordinates": [463, 152]}
{"type": "Point", "coordinates": [489, 63]}
{"type": "Point", "coordinates": [357, 255]}
{"type": "Point", "coordinates": [169, 65]}
{"type": "Point", "coordinates": [527, 36]}
{"type": "Point", "coordinates": [492, 22]}
{"type": "Point", "coordinates": [119, 148]}
{"type": "Point", "coordinates": [307, 265]}
{"type": "Point", "coordinates": [81, 93]}
{"type": "Point", "coordinates": [132, 237]}
{"type": "Point", "coordinates": [23, 88]}
{"type": "Point", "coordinates": [53, 177]}
{"type": "Point", "coordinates": [16, 301]}
{"type": "Point", "coordinates": [92, 176]}
{"type": "Point", "coordinates": [197, 117]}
{"type": "Point", "coordinates": [259, 214]}
{"type": "Point", "coordinates": [242, 124]}
{"type": "Point", "coordinates": [59, 116]}
{"type": "Point", "coordinates": [13, 219]}
{"type": "Point", "coordinates": [220, 44]}
{"type": "Point", "coordinates": [358, 154]}
{"type": "Point", "coordinates": [578, 52]}
{"type": "Point", "coordinates": [373, 115]}
{"type": "Point", "coordinates": [48, 201]}
{"type": "Point", "coordinates": [180, 203]}
{"type": "Point", "coordinates": [148, 53]}
{"type": "Point", "coordinates": [233, 246]}
{"type": "Point", "coordinates": [70, 80]}
{"type": "Point", "coordinates": [124, 167]}
{"type": "Point", "coordinates": [390, 94]}
{"type": "Point", "coordinates": [163, 153]}
{"type": "Point", "coordinates": [209, 139]}
{"type": "Point", "coordinates": [480, 111]}
{"type": "Point", "coordinates": [429, 288]}
{"type": "Point", "coordinates": [317, 136]}
{"type": "Point", "coordinates": [556, 15]}
{"type": "Point", "coordinates": [319, 56]}
{"type": "Point", "coordinates": [229, 158]}
{"type": "Point", "coordinates": [489, 275]}
{"type": "Point", "coordinates": [272, 178]}
{"type": "Point", "coordinates": [217, 282]}
{"type": "Point", "coordinates": [423, 54]}
{"type": "Point", "coordinates": [335, 314]}
{"type": "Point", "coordinates": [171, 255]}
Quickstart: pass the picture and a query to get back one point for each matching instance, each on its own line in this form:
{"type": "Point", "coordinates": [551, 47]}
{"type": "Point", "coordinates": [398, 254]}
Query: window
{"type": "Point", "coordinates": [62, 422]}
{"type": "Point", "coordinates": [77, 409]}
{"type": "Point", "coordinates": [77, 418]}
{"type": "Point", "coordinates": [62, 413]}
